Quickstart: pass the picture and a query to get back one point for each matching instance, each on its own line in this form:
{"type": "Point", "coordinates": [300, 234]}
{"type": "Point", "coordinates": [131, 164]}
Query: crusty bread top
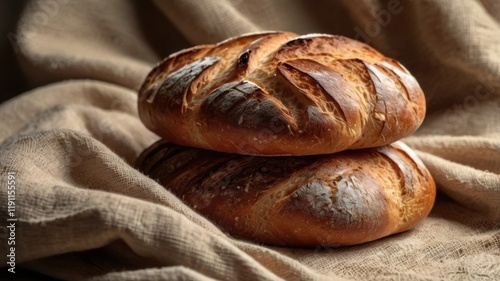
{"type": "Point", "coordinates": [277, 93]}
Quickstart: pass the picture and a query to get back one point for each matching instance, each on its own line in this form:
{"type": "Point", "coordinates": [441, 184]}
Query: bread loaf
{"type": "Point", "coordinates": [278, 93]}
{"type": "Point", "coordinates": [345, 198]}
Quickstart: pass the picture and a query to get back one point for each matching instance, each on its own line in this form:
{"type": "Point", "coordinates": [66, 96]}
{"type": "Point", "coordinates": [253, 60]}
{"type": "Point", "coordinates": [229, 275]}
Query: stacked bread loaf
{"type": "Point", "coordinates": [289, 140]}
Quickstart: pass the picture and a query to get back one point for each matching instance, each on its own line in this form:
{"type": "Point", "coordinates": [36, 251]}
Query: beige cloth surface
{"type": "Point", "coordinates": [84, 213]}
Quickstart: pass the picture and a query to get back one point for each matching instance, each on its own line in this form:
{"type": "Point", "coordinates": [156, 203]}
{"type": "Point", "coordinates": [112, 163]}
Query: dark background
{"type": "Point", "coordinates": [12, 81]}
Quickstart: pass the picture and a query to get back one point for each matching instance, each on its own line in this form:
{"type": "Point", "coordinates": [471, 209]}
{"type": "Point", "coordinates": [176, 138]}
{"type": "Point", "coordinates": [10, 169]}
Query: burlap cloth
{"type": "Point", "coordinates": [84, 213]}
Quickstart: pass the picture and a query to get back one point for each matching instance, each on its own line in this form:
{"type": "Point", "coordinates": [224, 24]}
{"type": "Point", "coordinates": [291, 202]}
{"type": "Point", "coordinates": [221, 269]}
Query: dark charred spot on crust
{"type": "Point", "coordinates": [242, 104]}
{"type": "Point", "coordinates": [172, 91]}
{"type": "Point", "coordinates": [297, 42]}
{"type": "Point", "coordinates": [244, 58]}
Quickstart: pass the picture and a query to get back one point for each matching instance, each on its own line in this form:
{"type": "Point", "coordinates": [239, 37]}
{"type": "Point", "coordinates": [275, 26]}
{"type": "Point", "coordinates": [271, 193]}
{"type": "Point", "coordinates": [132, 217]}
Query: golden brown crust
{"type": "Point", "coordinates": [345, 198]}
{"type": "Point", "coordinates": [277, 93]}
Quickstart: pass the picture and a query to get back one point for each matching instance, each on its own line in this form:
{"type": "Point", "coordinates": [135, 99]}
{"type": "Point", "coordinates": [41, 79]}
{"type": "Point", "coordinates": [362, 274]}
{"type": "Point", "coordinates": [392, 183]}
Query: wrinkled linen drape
{"type": "Point", "coordinates": [84, 213]}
